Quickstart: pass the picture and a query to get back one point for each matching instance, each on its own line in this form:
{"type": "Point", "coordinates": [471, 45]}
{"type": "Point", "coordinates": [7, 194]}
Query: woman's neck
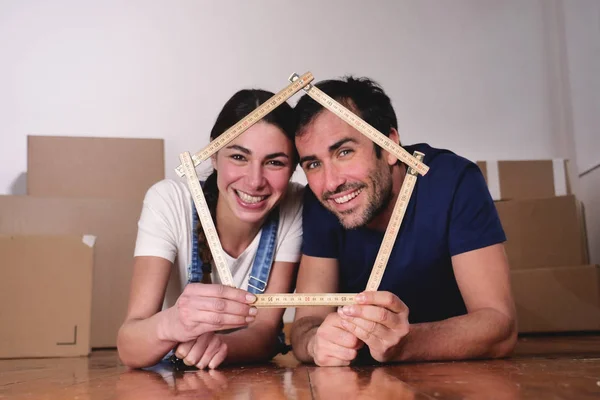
{"type": "Point", "coordinates": [235, 235]}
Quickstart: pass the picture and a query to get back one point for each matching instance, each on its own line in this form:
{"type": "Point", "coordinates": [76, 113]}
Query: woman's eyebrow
{"type": "Point", "coordinates": [275, 155]}
{"type": "Point", "coordinates": [240, 148]}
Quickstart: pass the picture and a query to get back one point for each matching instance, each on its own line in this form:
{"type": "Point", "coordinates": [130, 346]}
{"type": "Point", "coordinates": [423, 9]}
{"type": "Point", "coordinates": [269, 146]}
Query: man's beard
{"type": "Point", "coordinates": [378, 199]}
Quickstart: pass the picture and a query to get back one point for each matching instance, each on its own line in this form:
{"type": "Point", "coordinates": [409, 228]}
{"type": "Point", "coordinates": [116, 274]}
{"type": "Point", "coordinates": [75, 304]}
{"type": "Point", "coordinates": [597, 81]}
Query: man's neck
{"type": "Point", "coordinates": [380, 222]}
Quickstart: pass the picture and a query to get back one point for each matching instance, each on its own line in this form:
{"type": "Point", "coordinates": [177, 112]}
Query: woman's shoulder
{"type": "Point", "coordinates": [167, 192]}
{"type": "Point", "coordinates": [292, 202]}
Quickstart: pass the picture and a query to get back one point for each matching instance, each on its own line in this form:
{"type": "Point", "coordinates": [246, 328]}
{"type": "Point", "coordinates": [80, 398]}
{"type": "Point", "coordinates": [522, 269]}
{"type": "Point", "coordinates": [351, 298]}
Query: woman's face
{"type": "Point", "coordinates": [253, 171]}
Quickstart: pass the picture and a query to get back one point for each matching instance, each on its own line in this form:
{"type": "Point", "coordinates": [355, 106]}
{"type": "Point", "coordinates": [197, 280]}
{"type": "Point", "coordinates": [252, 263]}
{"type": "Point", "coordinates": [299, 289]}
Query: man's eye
{"type": "Point", "coordinates": [311, 165]}
{"type": "Point", "coordinates": [345, 152]}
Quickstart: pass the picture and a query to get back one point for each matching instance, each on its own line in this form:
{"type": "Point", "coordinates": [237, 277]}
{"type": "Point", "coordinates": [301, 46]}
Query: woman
{"type": "Point", "coordinates": [257, 211]}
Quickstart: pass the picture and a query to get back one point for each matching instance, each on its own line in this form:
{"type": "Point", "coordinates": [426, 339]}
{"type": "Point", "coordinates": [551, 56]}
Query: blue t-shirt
{"type": "Point", "coordinates": [450, 212]}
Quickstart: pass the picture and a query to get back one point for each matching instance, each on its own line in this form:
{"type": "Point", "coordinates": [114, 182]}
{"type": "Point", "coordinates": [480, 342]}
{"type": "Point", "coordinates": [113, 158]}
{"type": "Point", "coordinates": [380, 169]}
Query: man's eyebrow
{"type": "Point", "coordinates": [240, 148]}
{"type": "Point", "coordinates": [332, 148]}
{"type": "Point", "coordinates": [340, 143]}
{"type": "Point", "coordinates": [307, 158]}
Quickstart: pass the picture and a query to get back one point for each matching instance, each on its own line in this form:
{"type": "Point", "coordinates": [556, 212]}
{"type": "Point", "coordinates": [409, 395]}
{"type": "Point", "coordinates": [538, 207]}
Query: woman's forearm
{"type": "Point", "coordinates": [141, 342]}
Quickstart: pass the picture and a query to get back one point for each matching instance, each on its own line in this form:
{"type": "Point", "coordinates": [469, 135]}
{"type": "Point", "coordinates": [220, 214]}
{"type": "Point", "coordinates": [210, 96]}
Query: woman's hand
{"type": "Point", "coordinates": [203, 308]}
{"type": "Point", "coordinates": [208, 351]}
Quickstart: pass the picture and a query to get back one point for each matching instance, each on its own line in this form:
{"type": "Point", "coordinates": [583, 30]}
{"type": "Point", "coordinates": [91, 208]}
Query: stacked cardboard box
{"type": "Point", "coordinates": [554, 288]}
{"type": "Point", "coordinates": [79, 186]}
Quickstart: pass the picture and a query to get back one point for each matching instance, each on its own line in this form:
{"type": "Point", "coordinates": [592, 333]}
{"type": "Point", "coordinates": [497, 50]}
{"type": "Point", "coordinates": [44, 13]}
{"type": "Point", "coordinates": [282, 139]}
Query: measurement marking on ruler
{"type": "Point", "coordinates": [210, 231]}
{"type": "Point", "coordinates": [249, 120]}
{"type": "Point", "coordinates": [280, 300]}
{"type": "Point", "coordinates": [393, 227]}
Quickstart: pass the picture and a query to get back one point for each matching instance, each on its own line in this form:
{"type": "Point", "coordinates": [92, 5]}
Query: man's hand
{"type": "Point", "coordinates": [332, 345]}
{"type": "Point", "coordinates": [208, 351]}
{"type": "Point", "coordinates": [380, 320]}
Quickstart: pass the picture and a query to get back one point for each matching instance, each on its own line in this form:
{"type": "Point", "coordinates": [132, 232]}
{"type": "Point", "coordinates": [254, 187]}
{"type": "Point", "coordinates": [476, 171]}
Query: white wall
{"type": "Point", "coordinates": [470, 75]}
{"type": "Point", "coordinates": [582, 38]}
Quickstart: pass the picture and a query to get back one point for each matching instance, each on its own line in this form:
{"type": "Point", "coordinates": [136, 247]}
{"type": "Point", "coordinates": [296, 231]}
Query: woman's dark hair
{"type": "Point", "coordinates": [237, 107]}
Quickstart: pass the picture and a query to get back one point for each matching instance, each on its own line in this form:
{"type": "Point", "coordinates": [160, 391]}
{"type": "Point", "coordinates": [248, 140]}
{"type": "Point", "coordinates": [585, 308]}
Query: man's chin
{"type": "Point", "coordinates": [350, 220]}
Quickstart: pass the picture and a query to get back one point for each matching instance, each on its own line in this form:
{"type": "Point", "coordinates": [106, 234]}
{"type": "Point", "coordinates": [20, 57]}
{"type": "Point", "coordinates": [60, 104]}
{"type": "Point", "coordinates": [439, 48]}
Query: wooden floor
{"type": "Point", "coordinates": [556, 367]}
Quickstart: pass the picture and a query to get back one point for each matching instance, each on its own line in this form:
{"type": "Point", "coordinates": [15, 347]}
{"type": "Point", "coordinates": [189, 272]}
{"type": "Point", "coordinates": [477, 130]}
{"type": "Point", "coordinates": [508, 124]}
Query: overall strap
{"type": "Point", "coordinates": [195, 267]}
{"type": "Point", "coordinates": [261, 267]}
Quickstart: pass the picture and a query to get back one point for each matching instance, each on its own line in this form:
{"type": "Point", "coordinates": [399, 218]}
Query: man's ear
{"type": "Point", "coordinates": [394, 137]}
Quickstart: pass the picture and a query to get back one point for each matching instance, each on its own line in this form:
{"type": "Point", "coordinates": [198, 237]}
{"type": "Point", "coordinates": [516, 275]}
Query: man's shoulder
{"type": "Point", "coordinates": [315, 212]}
{"type": "Point", "coordinates": [439, 158]}
{"type": "Point", "coordinates": [444, 165]}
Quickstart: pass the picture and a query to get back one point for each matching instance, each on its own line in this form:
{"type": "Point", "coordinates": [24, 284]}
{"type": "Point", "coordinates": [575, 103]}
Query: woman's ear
{"type": "Point", "coordinates": [394, 137]}
{"type": "Point", "coordinates": [213, 161]}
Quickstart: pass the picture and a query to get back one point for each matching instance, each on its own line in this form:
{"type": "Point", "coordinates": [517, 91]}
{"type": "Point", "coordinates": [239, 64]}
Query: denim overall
{"type": "Point", "coordinates": [259, 273]}
{"type": "Point", "coordinates": [261, 267]}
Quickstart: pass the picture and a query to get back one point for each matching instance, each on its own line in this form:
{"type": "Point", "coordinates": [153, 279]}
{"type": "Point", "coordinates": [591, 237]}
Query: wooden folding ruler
{"type": "Point", "coordinates": [281, 300]}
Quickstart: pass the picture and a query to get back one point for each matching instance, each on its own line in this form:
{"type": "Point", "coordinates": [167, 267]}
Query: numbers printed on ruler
{"type": "Point", "coordinates": [303, 299]}
{"type": "Point", "coordinates": [391, 232]}
{"type": "Point", "coordinates": [246, 122]}
{"type": "Point", "coordinates": [210, 231]}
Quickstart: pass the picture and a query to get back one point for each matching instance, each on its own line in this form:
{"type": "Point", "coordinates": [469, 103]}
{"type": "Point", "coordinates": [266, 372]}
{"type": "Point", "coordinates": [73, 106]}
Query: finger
{"type": "Point", "coordinates": [217, 304]}
{"type": "Point", "coordinates": [219, 357]}
{"type": "Point", "coordinates": [376, 314]}
{"type": "Point", "coordinates": [339, 336]}
{"type": "Point", "coordinates": [221, 291]}
{"type": "Point", "coordinates": [211, 349]}
{"type": "Point", "coordinates": [333, 350]}
{"type": "Point", "coordinates": [364, 330]}
{"type": "Point", "coordinates": [183, 349]}
{"type": "Point", "coordinates": [198, 349]}
{"type": "Point", "coordinates": [384, 299]}
{"type": "Point", "coordinates": [220, 319]}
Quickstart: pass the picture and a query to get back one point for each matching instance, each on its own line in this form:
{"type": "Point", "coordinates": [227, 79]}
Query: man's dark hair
{"type": "Point", "coordinates": [362, 96]}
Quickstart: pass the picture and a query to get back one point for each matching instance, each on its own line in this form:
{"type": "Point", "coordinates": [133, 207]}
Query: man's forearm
{"type": "Point", "coordinates": [484, 333]}
{"type": "Point", "coordinates": [253, 344]}
{"type": "Point", "coordinates": [303, 331]}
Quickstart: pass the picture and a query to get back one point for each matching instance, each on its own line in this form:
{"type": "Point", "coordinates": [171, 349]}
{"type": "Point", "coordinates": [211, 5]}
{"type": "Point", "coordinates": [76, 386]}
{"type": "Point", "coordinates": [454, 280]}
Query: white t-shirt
{"type": "Point", "coordinates": [165, 230]}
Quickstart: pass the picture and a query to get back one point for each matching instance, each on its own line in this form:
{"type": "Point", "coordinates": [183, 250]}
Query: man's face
{"type": "Point", "coordinates": [343, 170]}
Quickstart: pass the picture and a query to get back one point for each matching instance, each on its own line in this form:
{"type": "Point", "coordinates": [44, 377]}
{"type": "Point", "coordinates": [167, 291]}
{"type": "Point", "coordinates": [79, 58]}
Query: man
{"type": "Point", "coordinates": [445, 294]}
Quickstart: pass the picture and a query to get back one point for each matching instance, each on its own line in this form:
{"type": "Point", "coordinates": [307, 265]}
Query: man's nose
{"type": "Point", "coordinates": [333, 178]}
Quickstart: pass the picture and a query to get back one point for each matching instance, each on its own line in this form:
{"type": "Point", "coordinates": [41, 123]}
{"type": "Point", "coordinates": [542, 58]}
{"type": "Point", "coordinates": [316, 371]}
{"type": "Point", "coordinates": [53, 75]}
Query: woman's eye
{"type": "Point", "coordinates": [238, 157]}
{"type": "Point", "coordinates": [276, 163]}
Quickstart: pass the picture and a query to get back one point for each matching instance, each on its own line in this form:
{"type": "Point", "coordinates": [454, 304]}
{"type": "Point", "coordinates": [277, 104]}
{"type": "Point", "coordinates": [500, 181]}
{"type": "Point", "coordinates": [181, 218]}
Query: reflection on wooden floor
{"type": "Point", "coordinates": [559, 367]}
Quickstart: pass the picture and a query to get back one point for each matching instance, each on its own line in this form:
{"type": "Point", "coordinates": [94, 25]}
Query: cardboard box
{"type": "Point", "coordinates": [115, 168]}
{"type": "Point", "coordinates": [543, 232]}
{"type": "Point", "coordinates": [557, 299]}
{"type": "Point", "coordinates": [526, 179]}
{"type": "Point", "coordinates": [114, 222]}
{"type": "Point", "coordinates": [46, 295]}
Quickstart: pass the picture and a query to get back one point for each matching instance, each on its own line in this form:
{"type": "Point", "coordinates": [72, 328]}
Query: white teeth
{"type": "Point", "coordinates": [347, 198]}
{"type": "Point", "coordinates": [246, 198]}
